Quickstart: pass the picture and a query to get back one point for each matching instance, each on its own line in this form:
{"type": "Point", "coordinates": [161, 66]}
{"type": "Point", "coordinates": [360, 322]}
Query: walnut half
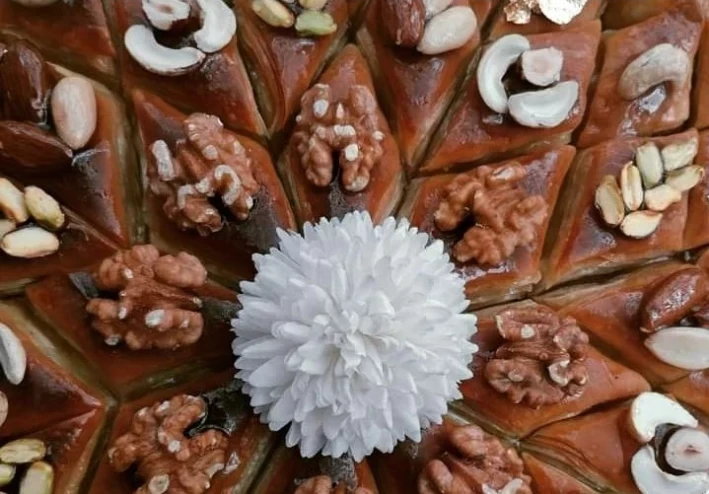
{"type": "Point", "coordinates": [505, 215]}
{"type": "Point", "coordinates": [210, 163]}
{"type": "Point", "coordinates": [348, 127]}
{"type": "Point", "coordinates": [166, 460]}
{"type": "Point", "coordinates": [155, 305]}
{"type": "Point", "coordinates": [474, 463]}
{"type": "Point", "coordinates": [542, 361]}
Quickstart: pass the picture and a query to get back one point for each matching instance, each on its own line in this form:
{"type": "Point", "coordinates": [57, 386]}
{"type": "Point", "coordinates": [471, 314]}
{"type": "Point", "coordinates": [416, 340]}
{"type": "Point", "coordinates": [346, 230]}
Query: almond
{"type": "Point", "coordinates": [6, 226]}
{"type": "Point", "coordinates": [273, 13]}
{"type": "Point", "coordinates": [675, 298]}
{"type": "Point", "coordinates": [32, 148]}
{"type": "Point", "coordinates": [38, 479]}
{"type": "Point", "coordinates": [631, 186]}
{"type": "Point", "coordinates": [24, 83]}
{"type": "Point", "coordinates": [641, 224]}
{"type": "Point", "coordinates": [685, 178]}
{"type": "Point", "coordinates": [649, 161]}
{"type": "Point", "coordinates": [662, 197]}
{"type": "Point", "coordinates": [74, 111]}
{"type": "Point", "coordinates": [7, 472]}
{"type": "Point", "coordinates": [12, 202]}
{"type": "Point", "coordinates": [609, 201]}
{"type": "Point", "coordinates": [44, 208]}
{"type": "Point", "coordinates": [21, 451]}
{"type": "Point", "coordinates": [403, 21]}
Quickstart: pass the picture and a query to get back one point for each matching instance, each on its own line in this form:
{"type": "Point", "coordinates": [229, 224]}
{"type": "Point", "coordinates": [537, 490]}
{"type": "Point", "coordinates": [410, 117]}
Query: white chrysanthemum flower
{"type": "Point", "coordinates": [354, 335]}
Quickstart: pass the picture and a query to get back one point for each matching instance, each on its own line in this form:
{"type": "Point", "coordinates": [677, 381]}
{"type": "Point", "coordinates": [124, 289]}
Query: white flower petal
{"type": "Point", "coordinates": [353, 334]}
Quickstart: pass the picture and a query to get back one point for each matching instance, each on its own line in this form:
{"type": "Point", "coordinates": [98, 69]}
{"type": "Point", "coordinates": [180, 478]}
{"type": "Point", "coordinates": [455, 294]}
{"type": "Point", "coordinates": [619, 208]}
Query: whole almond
{"type": "Point", "coordinates": [673, 299]}
{"type": "Point", "coordinates": [609, 201]}
{"type": "Point", "coordinates": [32, 148]}
{"type": "Point", "coordinates": [403, 21]}
{"type": "Point", "coordinates": [29, 243]}
{"type": "Point", "coordinates": [631, 186]}
{"type": "Point", "coordinates": [74, 111]}
{"type": "Point", "coordinates": [24, 83]}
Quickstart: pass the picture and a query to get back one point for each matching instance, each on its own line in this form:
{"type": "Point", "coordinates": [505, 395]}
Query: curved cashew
{"type": "Point", "coordinates": [544, 108]}
{"type": "Point", "coordinates": [493, 66]}
{"type": "Point", "coordinates": [218, 25]}
{"type": "Point", "coordinates": [661, 63]}
{"type": "Point", "coordinates": [162, 14]}
{"type": "Point", "coordinates": [650, 479]}
{"type": "Point", "coordinates": [13, 358]}
{"type": "Point", "coordinates": [145, 49]}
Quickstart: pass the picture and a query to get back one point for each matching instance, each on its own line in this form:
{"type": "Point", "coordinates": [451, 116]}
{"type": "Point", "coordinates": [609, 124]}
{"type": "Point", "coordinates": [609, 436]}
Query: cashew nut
{"type": "Point", "coordinates": [145, 49]}
{"type": "Point", "coordinates": [661, 63]}
{"type": "Point", "coordinates": [650, 479]}
{"type": "Point", "coordinates": [218, 25]}
{"type": "Point", "coordinates": [163, 14]}
{"type": "Point", "coordinates": [544, 108]}
{"type": "Point", "coordinates": [492, 68]}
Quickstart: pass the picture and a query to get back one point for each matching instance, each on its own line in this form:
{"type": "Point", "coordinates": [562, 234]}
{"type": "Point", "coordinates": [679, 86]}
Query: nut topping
{"type": "Point", "coordinates": [38, 479]}
{"type": "Point", "coordinates": [675, 298]}
{"type": "Point", "coordinates": [506, 216]}
{"type": "Point", "coordinates": [12, 202]}
{"type": "Point", "coordinates": [323, 484]}
{"type": "Point", "coordinates": [655, 182]}
{"type": "Point", "coordinates": [156, 305]}
{"type": "Point", "coordinates": [21, 451]}
{"type": "Point", "coordinates": [661, 63]}
{"type": "Point", "coordinates": [32, 148]}
{"type": "Point", "coordinates": [494, 64]}
{"type": "Point", "coordinates": [218, 25]}
{"type": "Point", "coordinates": [7, 473]}
{"type": "Point", "coordinates": [350, 127]}
{"type": "Point", "coordinates": [164, 14]}
{"type": "Point", "coordinates": [403, 21]}
{"type": "Point", "coordinates": [29, 243]}
{"type": "Point", "coordinates": [74, 111]}
{"type": "Point", "coordinates": [557, 11]}
{"type": "Point", "coordinates": [315, 23]}
{"type": "Point", "coordinates": [542, 361]}
{"type": "Point", "coordinates": [24, 83]}
{"type": "Point", "coordinates": [546, 107]}
{"type": "Point", "coordinates": [13, 358]}
{"type": "Point", "coordinates": [35, 3]}
{"type": "Point", "coordinates": [308, 17]}
{"type": "Point", "coordinates": [687, 450]}
{"type": "Point", "coordinates": [44, 208]}
{"type": "Point", "coordinates": [151, 55]}
{"type": "Point", "coordinates": [448, 30]}
{"type": "Point", "coordinates": [542, 67]}
{"type": "Point", "coordinates": [473, 462]}
{"type": "Point", "coordinates": [273, 13]}
{"type": "Point", "coordinates": [167, 460]}
{"type": "Point", "coordinates": [210, 163]}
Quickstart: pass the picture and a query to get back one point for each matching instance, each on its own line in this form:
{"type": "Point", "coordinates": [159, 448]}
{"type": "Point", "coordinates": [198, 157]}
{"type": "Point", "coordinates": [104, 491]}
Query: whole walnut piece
{"type": "Point", "coordinates": [542, 361]}
{"type": "Point", "coordinates": [155, 305]}
{"type": "Point", "coordinates": [323, 484]}
{"type": "Point", "coordinates": [210, 163]}
{"type": "Point", "coordinates": [475, 463]}
{"type": "Point", "coordinates": [505, 215]}
{"type": "Point", "coordinates": [403, 21]}
{"type": "Point", "coordinates": [349, 127]}
{"type": "Point", "coordinates": [166, 460]}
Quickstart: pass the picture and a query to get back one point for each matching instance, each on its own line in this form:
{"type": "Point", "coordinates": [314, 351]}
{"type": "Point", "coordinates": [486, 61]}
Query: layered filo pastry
{"type": "Point", "coordinates": [73, 33]}
{"type": "Point", "coordinates": [646, 445]}
{"type": "Point", "coordinates": [286, 46]}
{"type": "Point", "coordinates": [417, 68]}
{"type": "Point", "coordinates": [208, 190]}
{"type": "Point", "coordinates": [52, 410]}
{"type": "Point", "coordinates": [140, 317]}
{"type": "Point", "coordinates": [493, 220]}
{"type": "Point", "coordinates": [460, 456]}
{"type": "Point", "coordinates": [626, 203]}
{"type": "Point", "coordinates": [195, 436]}
{"type": "Point", "coordinates": [644, 83]}
{"type": "Point", "coordinates": [66, 174]}
{"type": "Point", "coordinates": [187, 52]}
{"type": "Point", "coordinates": [527, 91]}
{"type": "Point", "coordinates": [342, 156]}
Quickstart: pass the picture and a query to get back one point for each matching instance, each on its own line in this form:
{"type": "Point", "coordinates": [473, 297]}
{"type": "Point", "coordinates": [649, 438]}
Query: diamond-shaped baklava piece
{"type": "Point", "coordinates": [417, 84]}
{"type": "Point", "coordinates": [342, 156]}
{"type": "Point", "coordinates": [493, 220]}
{"type": "Point", "coordinates": [645, 80]}
{"type": "Point", "coordinates": [208, 191]}
{"type": "Point", "coordinates": [499, 113]}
